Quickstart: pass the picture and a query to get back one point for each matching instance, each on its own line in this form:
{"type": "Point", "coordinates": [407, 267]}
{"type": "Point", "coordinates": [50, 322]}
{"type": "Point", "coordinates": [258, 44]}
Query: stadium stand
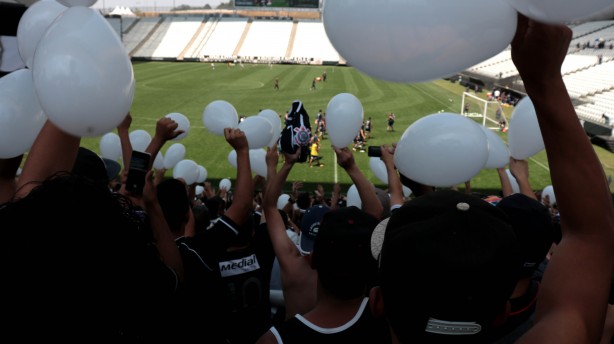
{"type": "Point", "coordinates": [266, 39]}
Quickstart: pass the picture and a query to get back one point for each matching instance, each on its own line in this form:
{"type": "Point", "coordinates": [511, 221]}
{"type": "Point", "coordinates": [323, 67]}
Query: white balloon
{"type": "Point", "coordinates": [198, 191]}
{"type": "Point", "coordinates": [225, 184]}
{"type": "Point", "coordinates": [273, 118]}
{"type": "Point", "coordinates": [378, 167]}
{"type": "Point", "coordinates": [524, 136]}
{"type": "Point", "coordinates": [549, 191]}
{"type": "Point", "coordinates": [257, 161]}
{"type": "Point", "coordinates": [183, 124]}
{"type": "Point", "coordinates": [33, 24]}
{"type": "Point", "coordinates": [187, 170]}
{"type": "Point", "coordinates": [406, 191]}
{"type": "Point", "coordinates": [344, 115]}
{"type": "Point", "coordinates": [232, 158]}
{"type": "Point", "coordinates": [71, 3]}
{"type": "Point", "coordinates": [605, 14]}
{"type": "Point", "coordinates": [353, 198]}
{"type": "Point", "coordinates": [417, 40]}
{"type": "Point", "coordinates": [21, 116]}
{"type": "Point", "coordinates": [110, 146]}
{"type": "Point", "coordinates": [258, 131]}
{"type": "Point", "coordinates": [513, 181]}
{"type": "Point", "coordinates": [498, 153]}
{"type": "Point", "coordinates": [218, 115]}
{"type": "Point", "coordinates": [82, 74]}
{"type": "Point", "coordinates": [174, 154]}
{"type": "Point", "coordinates": [560, 11]}
{"type": "Point", "coordinates": [442, 149]}
{"type": "Point", "coordinates": [202, 174]}
{"type": "Point", "coordinates": [282, 200]}
{"type": "Point", "coordinates": [159, 161]}
{"type": "Point", "coordinates": [139, 139]}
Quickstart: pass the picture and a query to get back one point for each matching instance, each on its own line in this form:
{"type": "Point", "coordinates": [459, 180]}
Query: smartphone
{"type": "Point", "coordinates": [139, 166]}
{"type": "Point", "coordinates": [375, 151]}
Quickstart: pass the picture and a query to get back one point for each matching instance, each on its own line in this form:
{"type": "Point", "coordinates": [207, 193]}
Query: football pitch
{"type": "Point", "coordinates": [187, 88]}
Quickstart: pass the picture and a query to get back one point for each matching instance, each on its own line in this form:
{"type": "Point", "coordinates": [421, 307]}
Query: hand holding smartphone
{"type": "Point", "coordinates": [139, 165]}
{"type": "Point", "coordinates": [375, 151]}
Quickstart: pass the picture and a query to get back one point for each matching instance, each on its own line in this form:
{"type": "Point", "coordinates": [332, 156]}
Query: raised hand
{"type": "Point", "coordinates": [538, 49]}
{"type": "Point", "coordinates": [236, 138]}
{"type": "Point", "coordinates": [166, 129]}
{"type": "Point", "coordinates": [345, 158]}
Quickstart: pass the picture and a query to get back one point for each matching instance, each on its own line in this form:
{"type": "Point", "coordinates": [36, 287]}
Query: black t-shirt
{"type": "Point", "coordinates": [242, 277]}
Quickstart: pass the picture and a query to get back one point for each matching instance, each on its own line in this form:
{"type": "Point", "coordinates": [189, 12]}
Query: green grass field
{"type": "Point", "coordinates": [187, 88]}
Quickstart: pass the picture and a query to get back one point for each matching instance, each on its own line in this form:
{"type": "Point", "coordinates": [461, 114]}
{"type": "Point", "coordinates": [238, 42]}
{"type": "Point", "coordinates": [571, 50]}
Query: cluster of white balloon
{"type": "Point", "coordinates": [344, 119]}
{"type": "Point", "coordinates": [446, 149]}
{"type": "Point", "coordinates": [262, 130]}
{"type": "Point", "coordinates": [78, 75]}
{"type": "Point", "coordinates": [173, 159]}
{"type": "Point", "coordinates": [416, 41]}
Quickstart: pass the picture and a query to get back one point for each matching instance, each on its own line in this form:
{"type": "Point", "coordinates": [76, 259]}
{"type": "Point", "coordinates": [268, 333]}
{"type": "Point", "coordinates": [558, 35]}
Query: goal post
{"type": "Point", "coordinates": [486, 112]}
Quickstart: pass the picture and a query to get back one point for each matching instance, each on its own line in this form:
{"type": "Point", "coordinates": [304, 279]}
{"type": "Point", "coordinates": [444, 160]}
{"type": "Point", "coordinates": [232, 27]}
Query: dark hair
{"type": "Point", "coordinates": [342, 252]}
{"type": "Point", "coordinates": [303, 201]}
{"type": "Point", "coordinates": [72, 244]}
{"type": "Point", "coordinates": [201, 217]}
{"type": "Point", "coordinates": [216, 206]}
{"type": "Point", "coordinates": [173, 198]}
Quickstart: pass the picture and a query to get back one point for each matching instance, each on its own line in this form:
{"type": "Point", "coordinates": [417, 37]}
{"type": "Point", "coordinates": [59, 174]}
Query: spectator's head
{"type": "Point", "coordinates": [113, 169]}
{"type": "Point", "coordinates": [202, 219]}
{"type": "Point", "coordinates": [310, 226]}
{"type": "Point", "coordinates": [303, 201]}
{"type": "Point", "coordinates": [447, 267]}
{"type": "Point", "coordinates": [68, 220]}
{"type": "Point", "coordinates": [175, 204]}
{"type": "Point", "coordinates": [384, 198]}
{"type": "Point", "coordinates": [89, 165]}
{"type": "Point", "coordinates": [216, 206]}
{"type": "Point", "coordinates": [342, 253]}
{"type": "Point", "coordinates": [533, 226]}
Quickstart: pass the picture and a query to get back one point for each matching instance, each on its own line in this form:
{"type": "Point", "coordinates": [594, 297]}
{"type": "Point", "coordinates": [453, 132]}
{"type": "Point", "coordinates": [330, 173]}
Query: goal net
{"type": "Point", "coordinates": [488, 113]}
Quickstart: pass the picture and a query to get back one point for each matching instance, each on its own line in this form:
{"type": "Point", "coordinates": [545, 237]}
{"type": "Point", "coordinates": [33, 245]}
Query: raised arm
{"type": "Point", "coordinates": [53, 151]}
{"type": "Point", "coordinates": [242, 202]}
{"type": "Point", "coordinates": [165, 242]}
{"type": "Point", "coordinates": [506, 184]}
{"type": "Point", "coordinates": [123, 131]}
{"type": "Point", "coordinates": [571, 305]}
{"type": "Point", "coordinates": [282, 244]}
{"type": "Point", "coordinates": [520, 170]}
{"type": "Point", "coordinates": [394, 182]}
{"type": "Point", "coordinates": [366, 190]}
{"type": "Point", "coordinates": [166, 129]}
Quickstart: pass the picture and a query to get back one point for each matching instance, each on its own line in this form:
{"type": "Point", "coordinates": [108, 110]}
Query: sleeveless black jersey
{"type": "Point", "coordinates": [362, 328]}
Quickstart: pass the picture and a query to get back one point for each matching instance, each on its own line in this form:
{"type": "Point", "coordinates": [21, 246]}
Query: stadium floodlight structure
{"type": "Point", "coordinates": [484, 111]}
